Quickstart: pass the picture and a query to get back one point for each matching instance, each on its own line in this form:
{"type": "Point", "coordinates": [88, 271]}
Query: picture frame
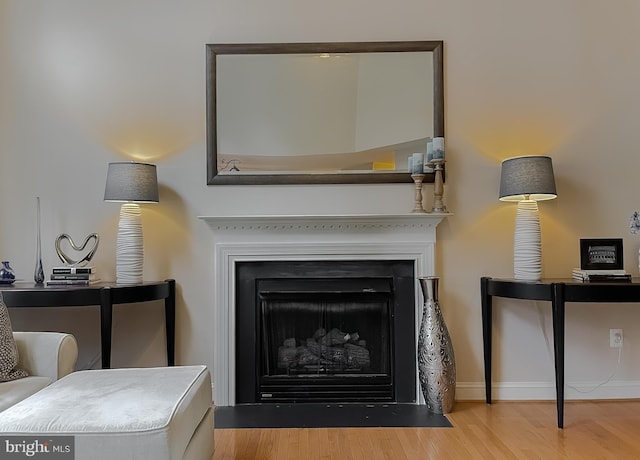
{"type": "Point", "coordinates": [601, 254]}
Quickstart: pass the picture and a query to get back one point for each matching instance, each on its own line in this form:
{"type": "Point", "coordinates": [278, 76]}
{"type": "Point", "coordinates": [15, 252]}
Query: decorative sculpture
{"type": "Point", "coordinates": [38, 272]}
{"type": "Point", "coordinates": [86, 259]}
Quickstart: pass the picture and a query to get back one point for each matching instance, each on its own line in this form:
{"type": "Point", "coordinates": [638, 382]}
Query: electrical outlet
{"type": "Point", "coordinates": [615, 338]}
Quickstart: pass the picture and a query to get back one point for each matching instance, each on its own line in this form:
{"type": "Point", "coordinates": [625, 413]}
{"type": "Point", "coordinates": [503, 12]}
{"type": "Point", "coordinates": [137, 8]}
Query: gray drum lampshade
{"type": "Point", "coordinates": [131, 181]}
{"type": "Point", "coordinates": [530, 176]}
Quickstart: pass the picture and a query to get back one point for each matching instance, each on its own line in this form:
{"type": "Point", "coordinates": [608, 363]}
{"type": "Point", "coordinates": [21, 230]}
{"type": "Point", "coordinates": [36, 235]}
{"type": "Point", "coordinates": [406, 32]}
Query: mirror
{"type": "Point", "coordinates": [311, 113]}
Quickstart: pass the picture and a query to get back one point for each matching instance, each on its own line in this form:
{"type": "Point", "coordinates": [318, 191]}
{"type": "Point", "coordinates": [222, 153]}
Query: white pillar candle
{"type": "Point", "coordinates": [427, 167]}
{"type": "Point", "coordinates": [438, 148]}
{"type": "Point", "coordinates": [418, 159]}
{"type": "Point", "coordinates": [429, 151]}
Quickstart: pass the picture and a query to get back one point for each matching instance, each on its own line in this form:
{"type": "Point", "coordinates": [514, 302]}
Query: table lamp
{"type": "Point", "coordinates": [130, 183]}
{"type": "Point", "coordinates": [527, 180]}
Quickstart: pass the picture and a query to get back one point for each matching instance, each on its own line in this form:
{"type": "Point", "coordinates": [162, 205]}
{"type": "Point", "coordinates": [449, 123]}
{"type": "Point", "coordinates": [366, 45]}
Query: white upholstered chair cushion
{"type": "Point", "coordinates": [46, 356]}
{"type": "Point", "coordinates": [16, 390]}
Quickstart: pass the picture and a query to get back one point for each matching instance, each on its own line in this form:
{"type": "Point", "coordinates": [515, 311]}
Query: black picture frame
{"type": "Point", "coordinates": [601, 254]}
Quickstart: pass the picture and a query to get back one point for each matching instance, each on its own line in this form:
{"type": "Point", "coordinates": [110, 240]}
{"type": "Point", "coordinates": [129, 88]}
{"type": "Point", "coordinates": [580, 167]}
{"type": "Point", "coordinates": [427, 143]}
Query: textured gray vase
{"type": "Point", "coordinates": [436, 361]}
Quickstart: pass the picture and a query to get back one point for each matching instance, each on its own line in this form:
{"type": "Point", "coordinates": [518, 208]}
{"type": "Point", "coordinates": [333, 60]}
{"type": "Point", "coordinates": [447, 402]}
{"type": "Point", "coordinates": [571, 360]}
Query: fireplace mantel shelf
{"type": "Point", "coordinates": [323, 221]}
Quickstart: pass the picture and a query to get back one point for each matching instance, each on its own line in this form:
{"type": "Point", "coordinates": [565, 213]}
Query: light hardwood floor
{"type": "Point", "coordinates": [503, 430]}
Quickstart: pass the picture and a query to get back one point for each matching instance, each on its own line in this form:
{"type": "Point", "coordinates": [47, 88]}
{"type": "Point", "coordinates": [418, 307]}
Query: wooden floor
{"type": "Point", "coordinates": [504, 430]}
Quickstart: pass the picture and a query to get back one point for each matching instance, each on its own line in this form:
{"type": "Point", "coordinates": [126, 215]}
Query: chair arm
{"type": "Point", "coordinates": [46, 354]}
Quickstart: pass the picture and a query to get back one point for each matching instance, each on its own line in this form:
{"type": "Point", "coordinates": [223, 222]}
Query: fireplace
{"type": "Point", "coordinates": [325, 331]}
{"type": "Point", "coordinates": [334, 239]}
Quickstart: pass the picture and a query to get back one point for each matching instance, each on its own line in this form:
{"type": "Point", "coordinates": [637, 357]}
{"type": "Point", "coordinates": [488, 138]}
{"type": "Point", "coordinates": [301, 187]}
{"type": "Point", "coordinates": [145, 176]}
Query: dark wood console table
{"type": "Point", "coordinates": [558, 292]}
{"type": "Point", "coordinates": [27, 295]}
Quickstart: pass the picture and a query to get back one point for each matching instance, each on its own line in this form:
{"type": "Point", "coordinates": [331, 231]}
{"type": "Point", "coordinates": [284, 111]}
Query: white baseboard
{"type": "Point", "coordinates": [521, 391]}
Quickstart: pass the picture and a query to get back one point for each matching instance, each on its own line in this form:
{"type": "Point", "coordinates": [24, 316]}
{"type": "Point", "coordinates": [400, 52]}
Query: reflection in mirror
{"type": "Point", "coordinates": [321, 113]}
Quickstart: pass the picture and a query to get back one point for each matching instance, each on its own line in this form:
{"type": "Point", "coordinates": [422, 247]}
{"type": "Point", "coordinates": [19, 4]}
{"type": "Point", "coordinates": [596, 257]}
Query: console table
{"type": "Point", "coordinates": [558, 292]}
{"type": "Point", "coordinates": [27, 295]}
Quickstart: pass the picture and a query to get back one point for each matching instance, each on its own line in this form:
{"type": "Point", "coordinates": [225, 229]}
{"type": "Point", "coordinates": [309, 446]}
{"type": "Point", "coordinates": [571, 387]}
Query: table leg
{"type": "Point", "coordinates": [487, 319]}
{"type": "Point", "coordinates": [558, 307]}
{"type": "Point", "coordinates": [170, 322]}
{"type": "Point", "coordinates": [106, 321]}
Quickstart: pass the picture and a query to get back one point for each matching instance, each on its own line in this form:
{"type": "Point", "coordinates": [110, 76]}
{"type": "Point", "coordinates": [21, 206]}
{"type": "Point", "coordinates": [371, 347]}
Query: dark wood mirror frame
{"type": "Point", "coordinates": [214, 50]}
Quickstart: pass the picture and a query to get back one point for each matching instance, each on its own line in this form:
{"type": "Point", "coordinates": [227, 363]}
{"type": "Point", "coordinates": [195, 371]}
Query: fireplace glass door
{"type": "Point", "coordinates": [325, 331]}
{"type": "Point", "coordinates": [325, 341]}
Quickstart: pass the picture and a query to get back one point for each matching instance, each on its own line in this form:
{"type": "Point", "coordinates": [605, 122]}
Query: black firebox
{"type": "Point", "coordinates": [325, 331]}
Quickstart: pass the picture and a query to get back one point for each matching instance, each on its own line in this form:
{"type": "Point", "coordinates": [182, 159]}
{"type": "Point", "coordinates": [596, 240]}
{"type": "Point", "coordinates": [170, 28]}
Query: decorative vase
{"type": "Point", "coordinates": [6, 272]}
{"type": "Point", "coordinates": [436, 361]}
{"type": "Point", "coordinates": [38, 273]}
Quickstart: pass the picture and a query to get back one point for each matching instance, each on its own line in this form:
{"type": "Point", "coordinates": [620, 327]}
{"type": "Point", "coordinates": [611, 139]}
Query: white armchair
{"type": "Point", "coordinates": [46, 356]}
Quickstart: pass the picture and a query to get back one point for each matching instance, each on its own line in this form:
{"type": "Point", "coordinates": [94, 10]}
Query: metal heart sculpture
{"type": "Point", "coordinates": [68, 260]}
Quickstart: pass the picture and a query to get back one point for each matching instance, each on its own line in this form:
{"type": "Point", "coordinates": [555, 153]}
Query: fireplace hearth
{"type": "Point", "coordinates": [325, 331]}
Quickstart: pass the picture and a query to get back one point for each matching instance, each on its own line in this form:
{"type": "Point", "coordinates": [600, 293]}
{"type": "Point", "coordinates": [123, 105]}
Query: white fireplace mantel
{"type": "Point", "coordinates": [351, 220]}
{"type": "Point", "coordinates": [306, 237]}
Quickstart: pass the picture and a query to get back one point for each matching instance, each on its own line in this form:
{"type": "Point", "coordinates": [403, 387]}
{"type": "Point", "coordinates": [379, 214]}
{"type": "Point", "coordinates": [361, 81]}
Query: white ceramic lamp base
{"type": "Point", "coordinates": [527, 252]}
{"type": "Point", "coordinates": [129, 251]}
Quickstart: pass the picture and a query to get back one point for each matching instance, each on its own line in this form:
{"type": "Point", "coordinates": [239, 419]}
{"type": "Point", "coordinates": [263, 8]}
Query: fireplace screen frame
{"type": "Point", "coordinates": [390, 281]}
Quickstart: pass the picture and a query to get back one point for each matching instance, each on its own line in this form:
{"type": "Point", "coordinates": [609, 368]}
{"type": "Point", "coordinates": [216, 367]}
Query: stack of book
{"type": "Point", "coordinates": [70, 275]}
{"type": "Point", "coordinates": [600, 275]}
